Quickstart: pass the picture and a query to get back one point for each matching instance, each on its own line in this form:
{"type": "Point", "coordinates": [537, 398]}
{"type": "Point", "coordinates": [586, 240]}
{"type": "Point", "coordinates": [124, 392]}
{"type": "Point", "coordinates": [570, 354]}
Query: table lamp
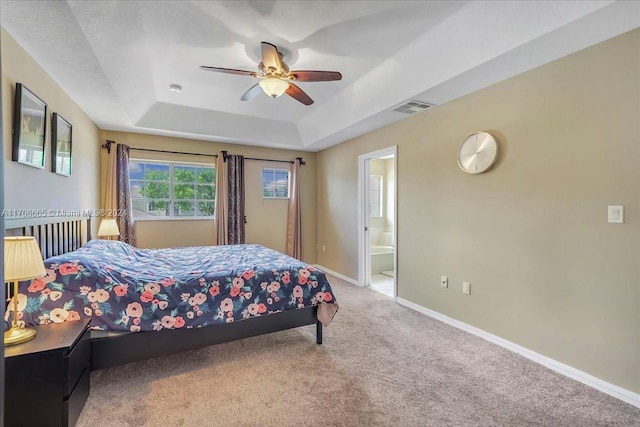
{"type": "Point", "coordinates": [22, 261]}
{"type": "Point", "coordinates": [108, 228]}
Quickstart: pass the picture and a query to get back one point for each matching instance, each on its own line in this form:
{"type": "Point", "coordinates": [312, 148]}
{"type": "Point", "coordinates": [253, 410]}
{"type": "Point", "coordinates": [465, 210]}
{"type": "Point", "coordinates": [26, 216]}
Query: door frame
{"type": "Point", "coordinates": [364, 239]}
{"type": "Point", "coordinates": [2, 288]}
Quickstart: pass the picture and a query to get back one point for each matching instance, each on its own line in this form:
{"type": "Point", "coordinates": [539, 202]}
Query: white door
{"type": "Point", "coordinates": [364, 247]}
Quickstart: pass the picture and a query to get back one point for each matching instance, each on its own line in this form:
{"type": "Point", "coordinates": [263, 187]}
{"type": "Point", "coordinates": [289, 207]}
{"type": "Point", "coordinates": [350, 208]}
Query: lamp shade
{"type": "Point", "coordinates": [22, 259]}
{"type": "Point", "coordinates": [273, 86]}
{"type": "Point", "coordinates": [108, 227]}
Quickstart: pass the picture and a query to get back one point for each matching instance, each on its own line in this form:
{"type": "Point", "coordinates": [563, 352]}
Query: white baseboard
{"type": "Point", "coordinates": [338, 275]}
{"type": "Point", "coordinates": [605, 387]}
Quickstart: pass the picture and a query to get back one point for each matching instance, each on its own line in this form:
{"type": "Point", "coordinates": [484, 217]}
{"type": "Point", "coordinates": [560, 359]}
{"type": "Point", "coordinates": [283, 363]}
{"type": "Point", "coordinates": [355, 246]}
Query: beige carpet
{"type": "Point", "coordinates": [381, 365]}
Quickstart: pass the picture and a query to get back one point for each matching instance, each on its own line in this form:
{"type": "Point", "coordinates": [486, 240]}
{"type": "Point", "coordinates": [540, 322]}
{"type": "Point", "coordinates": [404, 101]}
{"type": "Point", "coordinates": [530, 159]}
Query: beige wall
{"type": "Point", "coordinates": [266, 219]}
{"type": "Point", "coordinates": [547, 270]}
{"type": "Point", "coordinates": [26, 187]}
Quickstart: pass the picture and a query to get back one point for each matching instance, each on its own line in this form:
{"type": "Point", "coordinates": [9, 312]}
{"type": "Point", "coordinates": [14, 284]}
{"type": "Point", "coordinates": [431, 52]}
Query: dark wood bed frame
{"type": "Point", "coordinates": [59, 235]}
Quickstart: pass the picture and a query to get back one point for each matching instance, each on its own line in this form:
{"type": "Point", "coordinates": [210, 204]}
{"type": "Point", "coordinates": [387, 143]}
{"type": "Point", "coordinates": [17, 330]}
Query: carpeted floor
{"type": "Point", "coordinates": [381, 365]}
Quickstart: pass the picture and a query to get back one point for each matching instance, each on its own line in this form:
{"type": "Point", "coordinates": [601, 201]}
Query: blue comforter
{"type": "Point", "coordinates": [122, 288]}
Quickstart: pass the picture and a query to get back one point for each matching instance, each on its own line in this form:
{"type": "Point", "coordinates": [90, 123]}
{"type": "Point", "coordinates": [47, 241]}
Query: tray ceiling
{"type": "Point", "coordinates": [116, 59]}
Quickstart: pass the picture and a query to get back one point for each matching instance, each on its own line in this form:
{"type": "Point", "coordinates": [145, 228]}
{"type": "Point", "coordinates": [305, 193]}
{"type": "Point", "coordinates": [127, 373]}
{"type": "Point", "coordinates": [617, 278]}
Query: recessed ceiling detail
{"type": "Point", "coordinates": [116, 58]}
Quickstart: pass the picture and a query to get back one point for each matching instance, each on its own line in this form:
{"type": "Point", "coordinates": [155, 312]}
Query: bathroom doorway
{"type": "Point", "coordinates": [377, 248]}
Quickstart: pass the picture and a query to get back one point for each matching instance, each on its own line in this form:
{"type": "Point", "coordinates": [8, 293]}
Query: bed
{"type": "Point", "coordinates": [147, 303]}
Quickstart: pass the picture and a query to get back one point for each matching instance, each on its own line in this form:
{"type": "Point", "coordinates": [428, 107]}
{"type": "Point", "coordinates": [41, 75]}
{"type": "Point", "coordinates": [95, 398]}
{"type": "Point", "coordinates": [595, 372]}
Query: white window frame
{"type": "Point", "coordinates": [276, 170]}
{"type": "Point", "coordinates": [171, 199]}
{"type": "Point", "coordinates": [376, 197]}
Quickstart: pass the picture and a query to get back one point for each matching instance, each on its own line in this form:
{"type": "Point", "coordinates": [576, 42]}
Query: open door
{"type": "Point", "coordinates": [377, 213]}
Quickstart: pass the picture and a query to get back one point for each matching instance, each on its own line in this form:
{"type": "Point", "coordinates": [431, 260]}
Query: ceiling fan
{"type": "Point", "coordinates": [275, 77]}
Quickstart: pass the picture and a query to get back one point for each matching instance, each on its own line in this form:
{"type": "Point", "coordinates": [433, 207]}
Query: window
{"type": "Point", "coordinates": [172, 190]}
{"type": "Point", "coordinates": [375, 192]}
{"type": "Point", "coordinates": [275, 183]}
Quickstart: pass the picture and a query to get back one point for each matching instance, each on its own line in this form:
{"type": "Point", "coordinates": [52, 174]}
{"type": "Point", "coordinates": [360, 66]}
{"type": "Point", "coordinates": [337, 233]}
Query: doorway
{"type": "Point", "coordinates": [377, 221]}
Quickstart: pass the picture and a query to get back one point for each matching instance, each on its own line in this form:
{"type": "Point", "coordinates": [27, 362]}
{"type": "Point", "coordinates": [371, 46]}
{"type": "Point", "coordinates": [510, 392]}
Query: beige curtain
{"type": "Point", "coordinates": [111, 190]}
{"type": "Point", "coordinates": [110, 203]}
{"type": "Point", "coordinates": [222, 201]}
{"type": "Point", "coordinates": [294, 224]}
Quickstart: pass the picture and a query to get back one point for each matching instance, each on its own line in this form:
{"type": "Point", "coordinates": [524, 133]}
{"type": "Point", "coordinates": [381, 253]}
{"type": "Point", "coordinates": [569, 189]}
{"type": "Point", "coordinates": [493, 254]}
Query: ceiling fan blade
{"type": "Point", "coordinates": [251, 93]}
{"type": "Point", "coordinates": [298, 94]}
{"type": "Point", "coordinates": [271, 57]}
{"type": "Point", "coordinates": [228, 71]}
{"type": "Point", "coordinates": [315, 76]}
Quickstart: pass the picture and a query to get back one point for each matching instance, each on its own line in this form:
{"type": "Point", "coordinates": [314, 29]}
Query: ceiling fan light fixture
{"type": "Point", "coordinates": [274, 86]}
{"type": "Point", "coordinates": [275, 77]}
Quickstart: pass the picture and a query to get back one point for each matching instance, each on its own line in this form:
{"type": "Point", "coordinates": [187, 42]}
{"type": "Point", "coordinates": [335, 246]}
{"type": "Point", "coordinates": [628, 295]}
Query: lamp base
{"type": "Point", "coordinates": [17, 335]}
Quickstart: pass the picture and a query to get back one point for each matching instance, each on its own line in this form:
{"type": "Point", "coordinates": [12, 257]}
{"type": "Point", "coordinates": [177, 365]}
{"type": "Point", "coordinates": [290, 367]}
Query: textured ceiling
{"type": "Point", "coordinates": [116, 59]}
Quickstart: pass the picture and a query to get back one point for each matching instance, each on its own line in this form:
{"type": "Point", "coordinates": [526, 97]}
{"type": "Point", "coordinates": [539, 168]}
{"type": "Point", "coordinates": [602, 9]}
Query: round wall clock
{"type": "Point", "coordinates": [478, 153]}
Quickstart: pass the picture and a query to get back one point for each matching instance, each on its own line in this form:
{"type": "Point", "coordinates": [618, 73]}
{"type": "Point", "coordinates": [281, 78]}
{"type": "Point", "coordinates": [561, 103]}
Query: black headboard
{"type": "Point", "coordinates": [55, 235]}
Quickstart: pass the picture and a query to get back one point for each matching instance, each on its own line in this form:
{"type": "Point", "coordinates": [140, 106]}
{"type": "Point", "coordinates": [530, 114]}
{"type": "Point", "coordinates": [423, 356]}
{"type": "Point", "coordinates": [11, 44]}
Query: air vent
{"type": "Point", "coordinates": [412, 107]}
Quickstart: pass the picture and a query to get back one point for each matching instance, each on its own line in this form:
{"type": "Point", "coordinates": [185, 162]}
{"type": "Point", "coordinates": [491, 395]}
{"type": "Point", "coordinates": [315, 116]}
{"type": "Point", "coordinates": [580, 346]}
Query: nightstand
{"type": "Point", "coordinates": [47, 378]}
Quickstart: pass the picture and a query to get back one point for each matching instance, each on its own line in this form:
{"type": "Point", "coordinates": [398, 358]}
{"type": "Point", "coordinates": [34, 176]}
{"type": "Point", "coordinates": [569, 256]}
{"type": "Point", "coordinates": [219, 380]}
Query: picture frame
{"type": "Point", "coordinates": [29, 128]}
{"type": "Point", "coordinates": [61, 144]}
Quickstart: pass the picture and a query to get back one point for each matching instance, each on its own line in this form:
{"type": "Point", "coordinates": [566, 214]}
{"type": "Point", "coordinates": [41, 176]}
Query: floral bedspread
{"type": "Point", "coordinates": [123, 288]}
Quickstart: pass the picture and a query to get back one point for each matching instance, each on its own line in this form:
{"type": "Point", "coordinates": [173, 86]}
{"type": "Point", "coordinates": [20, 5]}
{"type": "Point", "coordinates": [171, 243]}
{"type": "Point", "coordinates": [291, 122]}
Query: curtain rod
{"type": "Point", "coordinates": [299, 159]}
{"type": "Point", "coordinates": [108, 143]}
{"type": "Point", "coordinates": [270, 160]}
{"type": "Point", "coordinates": [172, 152]}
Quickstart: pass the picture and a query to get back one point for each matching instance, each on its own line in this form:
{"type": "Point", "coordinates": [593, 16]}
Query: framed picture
{"type": "Point", "coordinates": [29, 128]}
{"type": "Point", "coordinates": [60, 145]}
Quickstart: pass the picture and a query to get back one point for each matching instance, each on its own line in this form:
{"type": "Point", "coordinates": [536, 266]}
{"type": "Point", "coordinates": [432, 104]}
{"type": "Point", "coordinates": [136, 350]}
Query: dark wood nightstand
{"type": "Point", "coordinates": [47, 378]}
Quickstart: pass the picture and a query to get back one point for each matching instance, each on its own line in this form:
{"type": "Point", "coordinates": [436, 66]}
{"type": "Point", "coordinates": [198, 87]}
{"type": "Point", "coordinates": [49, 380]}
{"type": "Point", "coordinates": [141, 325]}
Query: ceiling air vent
{"type": "Point", "coordinates": [412, 107]}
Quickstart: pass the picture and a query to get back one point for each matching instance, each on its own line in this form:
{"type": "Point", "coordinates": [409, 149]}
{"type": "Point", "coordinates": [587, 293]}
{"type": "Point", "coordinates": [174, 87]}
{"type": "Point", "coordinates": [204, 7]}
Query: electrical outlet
{"type": "Point", "coordinates": [324, 248]}
{"type": "Point", "coordinates": [466, 288]}
{"type": "Point", "coordinates": [444, 281]}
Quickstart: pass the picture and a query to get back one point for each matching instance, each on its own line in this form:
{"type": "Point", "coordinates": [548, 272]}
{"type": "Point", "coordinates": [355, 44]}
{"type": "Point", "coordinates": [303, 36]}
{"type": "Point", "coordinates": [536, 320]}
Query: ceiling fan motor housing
{"type": "Point", "coordinates": [271, 71]}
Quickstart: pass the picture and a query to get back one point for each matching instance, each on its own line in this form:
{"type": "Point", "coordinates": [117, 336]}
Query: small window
{"type": "Point", "coordinates": [275, 183]}
{"type": "Point", "coordinates": [171, 190]}
{"type": "Point", "coordinates": [375, 192]}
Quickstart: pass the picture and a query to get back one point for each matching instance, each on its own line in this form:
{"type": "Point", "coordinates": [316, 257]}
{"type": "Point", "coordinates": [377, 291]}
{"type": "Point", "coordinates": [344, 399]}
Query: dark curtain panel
{"type": "Point", "coordinates": [125, 220]}
{"type": "Point", "coordinates": [236, 199]}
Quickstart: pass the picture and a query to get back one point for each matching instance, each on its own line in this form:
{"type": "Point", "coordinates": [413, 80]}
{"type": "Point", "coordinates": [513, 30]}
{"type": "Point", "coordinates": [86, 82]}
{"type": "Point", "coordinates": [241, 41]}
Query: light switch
{"type": "Point", "coordinates": [615, 214]}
